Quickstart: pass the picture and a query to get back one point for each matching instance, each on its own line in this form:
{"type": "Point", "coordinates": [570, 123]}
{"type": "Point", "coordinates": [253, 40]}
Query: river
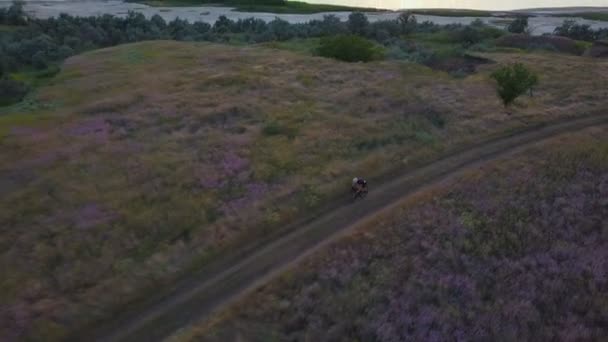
{"type": "Point", "coordinates": [540, 24]}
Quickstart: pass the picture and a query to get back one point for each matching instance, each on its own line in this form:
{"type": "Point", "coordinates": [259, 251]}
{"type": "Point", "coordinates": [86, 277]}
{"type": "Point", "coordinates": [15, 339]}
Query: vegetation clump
{"type": "Point", "coordinates": [31, 43]}
{"type": "Point", "coordinates": [571, 29]}
{"type": "Point", "coordinates": [349, 48]}
{"type": "Point", "coordinates": [547, 42]}
{"type": "Point", "coordinates": [513, 80]}
{"type": "Point", "coordinates": [13, 15]}
{"type": "Point", "coordinates": [11, 91]}
{"type": "Point", "coordinates": [358, 23]}
{"type": "Point", "coordinates": [407, 22]}
{"type": "Point", "coordinates": [519, 25]}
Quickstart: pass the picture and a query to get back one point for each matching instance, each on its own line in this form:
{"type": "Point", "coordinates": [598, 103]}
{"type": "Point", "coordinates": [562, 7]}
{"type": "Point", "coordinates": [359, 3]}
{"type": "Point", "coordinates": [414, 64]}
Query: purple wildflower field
{"type": "Point", "coordinates": [143, 160]}
{"type": "Point", "coordinates": [515, 251]}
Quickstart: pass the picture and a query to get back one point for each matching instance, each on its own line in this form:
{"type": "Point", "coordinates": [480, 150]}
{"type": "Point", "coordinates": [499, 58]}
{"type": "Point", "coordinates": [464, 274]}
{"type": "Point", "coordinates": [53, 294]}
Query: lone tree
{"type": "Point", "coordinates": [518, 25]}
{"type": "Point", "coordinates": [407, 22]}
{"type": "Point", "coordinates": [15, 15]}
{"type": "Point", "coordinates": [357, 23]}
{"type": "Point", "coordinates": [514, 80]}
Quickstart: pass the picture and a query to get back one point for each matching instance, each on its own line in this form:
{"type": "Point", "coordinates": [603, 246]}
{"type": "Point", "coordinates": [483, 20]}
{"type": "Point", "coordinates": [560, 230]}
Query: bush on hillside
{"type": "Point", "coordinates": [468, 36]}
{"type": "Point", "coordinates": [383, 31]}
{"type": "Point", "coordinates": [281, 29]}
{"type": "Point", "coordinates": [572, 30]}
{"type": "Point", "coordinates": [407, 22]}
{"type": "Point", "coordinates": [472, 34]}
{"type": "Point", "coordinates": [13, 15]}
{"type": "Point", "coordinates": [357, 23]}
{"type": "Point", "coordinates": [552, 43]}
{"type": "Point", "coordinates": [599, 49]}
{"type": "Point", "coordinates": [11, 91]}
{"type": "Point", "coordinates": [349, 48]}
{"type": "Point", "coordinates": [518, 25]}
{"type": "Point", "coordinates": [513, 81]}
{"type": "Point", "coordinates": [332, 25]}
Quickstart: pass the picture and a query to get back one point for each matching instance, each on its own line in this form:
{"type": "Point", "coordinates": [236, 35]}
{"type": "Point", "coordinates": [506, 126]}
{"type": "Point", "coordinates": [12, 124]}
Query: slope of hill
{"type": "Point", "coordinates": [517, 248]}
{"type": "Point", "coordinates": [138, 162]}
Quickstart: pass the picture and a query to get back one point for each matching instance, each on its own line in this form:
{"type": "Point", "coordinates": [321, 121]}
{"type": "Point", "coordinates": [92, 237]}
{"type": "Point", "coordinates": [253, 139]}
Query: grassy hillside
{"type": "Point", "coordinates": [139, 161]}
{"type": "Point", "coordinates": [516, 248]}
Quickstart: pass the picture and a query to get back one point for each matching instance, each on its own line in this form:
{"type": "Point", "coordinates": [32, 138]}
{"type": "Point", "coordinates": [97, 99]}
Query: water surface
{"type": "Point", "coordinates": [489, 5]}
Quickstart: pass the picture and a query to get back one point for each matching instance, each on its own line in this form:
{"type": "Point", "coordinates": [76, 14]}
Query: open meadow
{"type": "Point", "coordinates": [141, 159]}
{"type": "Point", "coordinates": [514, 250]}
{"type": "Point", "coordinates": [135, 152]}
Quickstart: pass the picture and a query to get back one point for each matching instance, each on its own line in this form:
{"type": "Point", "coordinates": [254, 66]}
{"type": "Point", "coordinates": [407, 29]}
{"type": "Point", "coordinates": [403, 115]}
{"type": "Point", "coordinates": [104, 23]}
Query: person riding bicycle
{"type": "Point", "coordinates": [359, 185]}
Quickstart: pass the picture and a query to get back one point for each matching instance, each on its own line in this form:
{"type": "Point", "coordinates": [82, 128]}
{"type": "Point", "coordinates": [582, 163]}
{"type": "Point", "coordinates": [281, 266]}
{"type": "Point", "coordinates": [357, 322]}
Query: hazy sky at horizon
{"type": "Point", "coordinates": [472, 4]}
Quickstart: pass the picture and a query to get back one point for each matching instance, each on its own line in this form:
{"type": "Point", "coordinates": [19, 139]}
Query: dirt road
{"type": "Point", "coordinates": [221, 282]}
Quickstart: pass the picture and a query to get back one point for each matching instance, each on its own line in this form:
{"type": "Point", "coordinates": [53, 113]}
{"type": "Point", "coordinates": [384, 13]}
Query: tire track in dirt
{"type": "Point", "coordinates": [220, 283]}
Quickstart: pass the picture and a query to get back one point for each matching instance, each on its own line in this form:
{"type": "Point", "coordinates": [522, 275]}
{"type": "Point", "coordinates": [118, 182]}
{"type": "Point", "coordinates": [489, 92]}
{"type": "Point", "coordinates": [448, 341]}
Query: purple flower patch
{"type": "Point", "coordinates": [211, 182]}
{"type": "Point", "coordinates": [232, 164]}
{"type": "Point", "coordinates": [91, 215]}
{"type": "Point", "coordinates": [96, 128]}
{"type": "Point", "coordinates": [254, 192]}
{"type": "Point", "coordinates": [30, 133]}
{"type": "Point", "coordinates": [520, 253]}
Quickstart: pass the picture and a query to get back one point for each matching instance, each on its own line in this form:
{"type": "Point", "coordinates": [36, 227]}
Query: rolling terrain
{"type": "Point", "coordinates": [511, 247]}
{"type": "Point", "coordinates": [138, 164]}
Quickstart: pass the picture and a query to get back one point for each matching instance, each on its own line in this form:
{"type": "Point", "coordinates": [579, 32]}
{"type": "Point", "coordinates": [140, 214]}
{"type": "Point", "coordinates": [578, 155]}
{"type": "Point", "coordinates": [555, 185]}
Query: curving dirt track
{"type": "Point", "coordinates": [221, 282]}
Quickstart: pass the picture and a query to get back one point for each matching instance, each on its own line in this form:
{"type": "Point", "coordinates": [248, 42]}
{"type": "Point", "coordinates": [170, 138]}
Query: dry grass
{"type": "Point", "coordinates": [488, 254]}
{"type": "Point", "coordinates": [157, 154]}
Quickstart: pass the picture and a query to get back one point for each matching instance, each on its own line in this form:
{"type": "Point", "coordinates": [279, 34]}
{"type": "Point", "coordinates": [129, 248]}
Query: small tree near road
{"type": "Point", "coordinates": [513, 80]}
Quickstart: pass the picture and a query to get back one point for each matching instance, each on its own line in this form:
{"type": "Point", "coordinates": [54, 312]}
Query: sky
{"type": "Point", "coordinates": [469, 4]}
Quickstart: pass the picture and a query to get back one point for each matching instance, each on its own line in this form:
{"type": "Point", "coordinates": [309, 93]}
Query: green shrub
{"type": "Point", "coordinates": [357, 23]}
{"type": "Point", "coordinates": [513, 81]}
{"type": "Point", "coordinates": [272, 128]}
{"type": "Point", "coordinates": [40, 60]}
{"type": "Point", "coordinates": [276, 128]}
{"type": "Point", "coordinates": [11, 91]}
{"type": "Point", "coordinates": [518, 25]}
{"type": "Point", "coordinates": [407, 22]}
{"type": "Point", "coordinates": [467, 36]}
{"type": "Point", "coordinates": [349, 48]}
{"type": "Point", "coordinates": [14, 15]}
{"type": "Point", "coordinates": [49, 72]}
{"type": "Point", "coordinates": [435, 118]}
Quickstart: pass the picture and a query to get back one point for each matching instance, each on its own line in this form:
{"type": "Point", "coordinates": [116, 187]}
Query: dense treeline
{"type": "Point", "coordinates": [42, 43]}
{"type": "Point", "coordinates": [576, 31]}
